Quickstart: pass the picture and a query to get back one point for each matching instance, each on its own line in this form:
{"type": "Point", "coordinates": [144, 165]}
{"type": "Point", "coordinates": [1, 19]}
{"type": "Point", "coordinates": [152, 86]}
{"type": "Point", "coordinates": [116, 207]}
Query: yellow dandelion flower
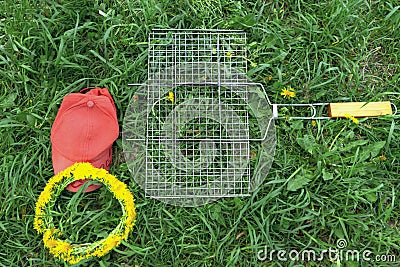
{"type": "Point", "coordinates": [82, 171]}
{"type": "Point", "coordinates": [63, 174]}
{"type": "Point", "coordinates": [355, 120]}
{"type": "Point", "coordinates": [100, 172]}
{"type": "Point", "coordinates": [313, 123]}
{"type": "Point", "coordinates": [348, 116]}
{"type": "Point", "coordinates": [229, 54]}
{"type": "Point", "coordinates": [51, 243]}
{"type": "Point", "coordinates": [47, 235]}
{"type": "Point", "coordinates": [171, 96]}
{"type": "Point", "coordinates": [119, 191]}
{"type": "Point", "coordinates": [59, 248]}
{"type": "Point", "coordinates": [288, 93]}
{"type": "Point", "coordinates": [111, 242]}
{"type": "Point", "coordinates": [45, 196]}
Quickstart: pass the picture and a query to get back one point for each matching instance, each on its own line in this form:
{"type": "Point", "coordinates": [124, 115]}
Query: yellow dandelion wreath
{"type": "Point", "coordinates": [44, 224]}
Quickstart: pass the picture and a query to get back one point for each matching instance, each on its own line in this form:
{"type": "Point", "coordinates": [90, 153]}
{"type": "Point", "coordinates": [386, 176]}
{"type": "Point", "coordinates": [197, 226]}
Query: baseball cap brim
{"type": "Point", "coordinates": [103, 160]}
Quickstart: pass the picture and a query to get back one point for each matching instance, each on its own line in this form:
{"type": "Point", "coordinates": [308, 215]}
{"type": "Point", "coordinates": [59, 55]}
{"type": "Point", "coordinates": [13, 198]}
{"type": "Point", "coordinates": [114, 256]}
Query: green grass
{"type": "Point", "coordinates": [327, 181]}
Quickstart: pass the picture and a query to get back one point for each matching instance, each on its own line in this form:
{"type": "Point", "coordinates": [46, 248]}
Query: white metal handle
{"type": "Point", "coordinates": [313, 116]}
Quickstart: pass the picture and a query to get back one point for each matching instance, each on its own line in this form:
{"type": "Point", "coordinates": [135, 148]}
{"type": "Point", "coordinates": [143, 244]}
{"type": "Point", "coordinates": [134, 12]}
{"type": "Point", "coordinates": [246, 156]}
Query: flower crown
{"type": "Point", "coordinates": [44, 224]}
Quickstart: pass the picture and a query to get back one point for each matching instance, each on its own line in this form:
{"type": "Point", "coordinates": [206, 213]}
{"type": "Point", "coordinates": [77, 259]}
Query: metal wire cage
{"type": "Point", "coordinates": [193, 132]}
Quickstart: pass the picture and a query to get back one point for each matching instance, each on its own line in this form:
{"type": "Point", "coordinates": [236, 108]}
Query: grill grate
{"type": "Point", "coordinates": [197, 135]}
{"type": "Point", "coordinates": [190, 122]}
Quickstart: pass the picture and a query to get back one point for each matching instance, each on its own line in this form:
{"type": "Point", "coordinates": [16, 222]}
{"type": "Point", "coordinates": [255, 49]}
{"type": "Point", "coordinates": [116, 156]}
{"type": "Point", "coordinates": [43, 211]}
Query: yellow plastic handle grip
{"type": "Point", "coordinates": [359, 109]}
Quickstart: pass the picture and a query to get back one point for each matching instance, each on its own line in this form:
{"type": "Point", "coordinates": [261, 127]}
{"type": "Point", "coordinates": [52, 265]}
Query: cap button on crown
{"type": "Point", "coordinates": [90, 104]}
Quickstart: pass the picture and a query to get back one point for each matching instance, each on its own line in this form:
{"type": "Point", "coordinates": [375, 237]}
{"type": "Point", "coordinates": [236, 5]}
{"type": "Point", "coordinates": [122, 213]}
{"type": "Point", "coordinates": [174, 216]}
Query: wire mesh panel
{"type": "Point", "coordinates": [187, 133]}
{"type": "Point", "coordinates": [200, 145]}
{"type": "Point", "coordinates": [206, 52]}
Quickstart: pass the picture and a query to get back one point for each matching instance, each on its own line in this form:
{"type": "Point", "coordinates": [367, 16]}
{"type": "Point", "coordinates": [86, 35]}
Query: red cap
{"type": "Point", "coordinates": [84, 130]}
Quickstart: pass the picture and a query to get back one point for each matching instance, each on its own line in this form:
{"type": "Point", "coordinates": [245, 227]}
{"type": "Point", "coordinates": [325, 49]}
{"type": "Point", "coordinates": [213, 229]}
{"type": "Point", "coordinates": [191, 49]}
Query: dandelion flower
{"type": "Point", "coordinates": [171, 96]}
{"type": "Point", "coordinates": [288, 93]}
{"type": "Point", "coordinates": [348, 116]}
{"type": "Point", "coordinates": [313, 123]}
{"type": "Point", "coordinates": [228, 54]}
{"type": "Point", "coordinates": [355, 120]}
